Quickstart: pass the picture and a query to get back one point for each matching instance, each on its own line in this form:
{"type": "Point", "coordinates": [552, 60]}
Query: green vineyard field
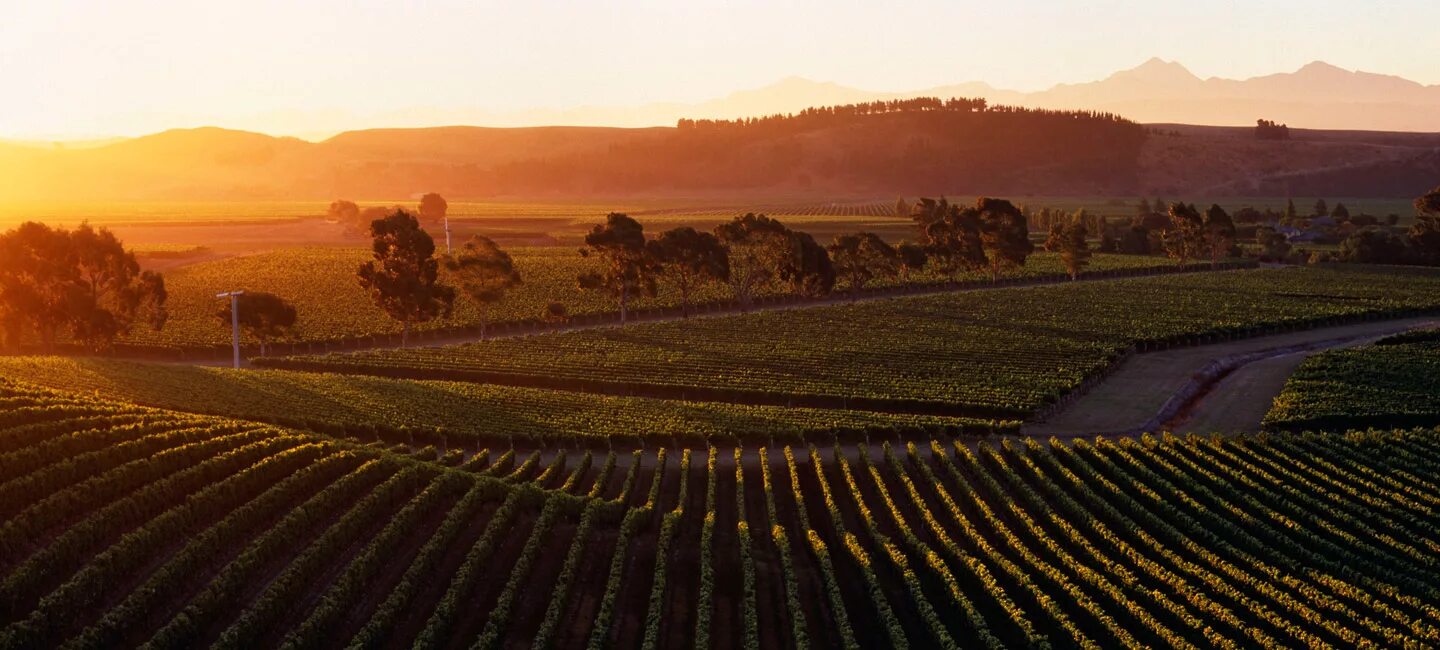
{"type": "Point", "coordinates": [996, 354]}
{"type": "Point", "coordinates": [463, 412]}
{"type": "Point", "coordinates": [333, 308]}
{"type": "Point", "coordinates": [1395, 382]}
{"type": "Point", "coordinates": [128, 526]}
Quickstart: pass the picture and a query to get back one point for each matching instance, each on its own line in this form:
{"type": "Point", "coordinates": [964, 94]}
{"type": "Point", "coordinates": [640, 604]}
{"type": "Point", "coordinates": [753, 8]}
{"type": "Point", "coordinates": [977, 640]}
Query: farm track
{"type": "Point", "coordinates": [1193, 376]}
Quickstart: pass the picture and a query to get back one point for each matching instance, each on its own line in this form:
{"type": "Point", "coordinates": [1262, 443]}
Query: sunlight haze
{"type": "Point", "coordinates": [89, 69]}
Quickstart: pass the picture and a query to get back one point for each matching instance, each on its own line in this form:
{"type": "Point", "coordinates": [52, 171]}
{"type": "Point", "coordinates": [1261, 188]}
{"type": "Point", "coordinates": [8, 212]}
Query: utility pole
{"type": "Point", "coordinates": [234, 297]}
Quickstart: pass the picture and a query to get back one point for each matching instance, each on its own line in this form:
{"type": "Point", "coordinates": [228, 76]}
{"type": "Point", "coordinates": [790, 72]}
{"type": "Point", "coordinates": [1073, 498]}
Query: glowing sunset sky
{"type": "Point", "coordinates": [76, 68]}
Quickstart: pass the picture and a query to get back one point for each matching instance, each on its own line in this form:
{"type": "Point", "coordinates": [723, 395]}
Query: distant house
{"type": "Point", "coordinates": [1306, 237]}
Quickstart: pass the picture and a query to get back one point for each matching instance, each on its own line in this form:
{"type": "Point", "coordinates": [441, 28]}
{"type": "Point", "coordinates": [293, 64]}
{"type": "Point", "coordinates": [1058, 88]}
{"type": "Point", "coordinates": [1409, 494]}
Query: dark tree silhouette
{"type": "Point", "coordinates": [403, 279]}
{"type": "Point", "coordinates": [1004, 234]}
{"type": "Point", "coordinates": [83, 281]}
{"type": "Point", "coordinates": [1373, 246]}
{"type": "Point", "coordinates": [433, 208]}
{"type": "Point", "coordinates": [951, 235]}
{"type": "Point", "coordinates": [627, 271]}
{"type": "Point", "coordinates": [689, 258]}
{"type": "Point", "coordinates": [808, 270]}
{"type": "Point", "coordinates": [1074, 249]}
{"type": "Point", "coordinates": [757, 248]}
{"type": "Point", "coordinates": [1340, 213]}
{"type": "Point", "coordinates": [264, 316]}
{"type": "Point", "coordinates": [342, 211]}
{"type": "Point", "coordinates": [484, 273]}
{"type": "Point", "coordinates": [1219, 233]}
{"type": "Point", "coordinates": [1184, 240]}
{"type": "Point", "coordinates": [912, 259]}
{"type": "Point", "coordinates": [862, 257]}
{"type": "Point", "coordinates": [1273, 245]}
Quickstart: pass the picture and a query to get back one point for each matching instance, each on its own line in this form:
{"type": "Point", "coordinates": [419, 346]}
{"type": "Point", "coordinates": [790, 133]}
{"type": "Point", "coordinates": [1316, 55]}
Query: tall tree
{"type": "Point", "coordinates": [912, 259]}
{"type": "Point", "coordinates": [689, 258]}
{"type": "Point", "coordinates": [1053, 237]}
{"type": "Point", "coordinates": [342, 211]}
{"type": "Point", "coordinates": [1340, 213]}
{"type": "Point", "coordinates": [951, 235]}
{"type": "Point", "coordinates": [264, 316]}
{"type": "Point", "coordinates": [1184, 240]}
{"type": "Point", "coordinates": [404, 277]}
{"type": "Point", "coordinates": [619, 243]}
{"type": "Point", "coordinates": [757, 248]}
{"type": "Point", "coordinates": [862, 257]}
{"type": "Point", "coordinates": [1429, 203]}
{"type": "Point", "coordinates": [484, 273]}
{"type": "Point", "coordinates": [433, 208]}
{"type": "Point", "coordinates": [1074, 249]}
{"type": "Point", "coordinates": [1004, 234]}
{"type": "Point", "coordinates": [83, 281]}
{"type": "Point", "coordinates": [902, 207]}
{"type": "Point", "coordinates": [1219, 233]}
{"type": "Point", "coordinates": [1321, 208]}
{"type": "Point", "coordinates": [809, 270]}
{"type": "Point", "coordinates": [1291, 214]}
{"type": "Point", "coordinates": [1273, 245]}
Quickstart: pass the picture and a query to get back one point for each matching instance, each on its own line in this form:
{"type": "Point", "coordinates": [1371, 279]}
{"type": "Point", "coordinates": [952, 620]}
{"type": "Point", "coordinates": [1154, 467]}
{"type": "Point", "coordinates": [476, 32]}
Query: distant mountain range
{"type": "Point", "coordinates": [1353, 134]}
{"type": "Point", "coordinates": [1317, 96]}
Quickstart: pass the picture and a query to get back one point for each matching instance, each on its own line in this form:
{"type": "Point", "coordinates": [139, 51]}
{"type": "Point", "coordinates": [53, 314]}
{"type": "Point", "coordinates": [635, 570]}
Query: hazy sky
{"type": "Point", "coordinates": [80, 68]}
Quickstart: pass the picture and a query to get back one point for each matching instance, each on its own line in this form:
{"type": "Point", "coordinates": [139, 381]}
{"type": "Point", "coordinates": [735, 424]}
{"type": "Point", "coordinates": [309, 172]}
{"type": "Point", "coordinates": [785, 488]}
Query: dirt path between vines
{"type": "Point", "coordinates": [1225, 387]}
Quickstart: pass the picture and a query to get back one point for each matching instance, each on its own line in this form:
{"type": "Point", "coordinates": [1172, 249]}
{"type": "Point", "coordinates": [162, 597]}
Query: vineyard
{"type": "Point", "coordinates": [460, 413]}
{"type": "Point", "coordinates": [126, 526]}
{"type": "Point", "coordinates": [1395, 382]}
{"type": "Point", "coordinates": [334, 309]}
{"type": "Point", "coordinates": [991, 354]}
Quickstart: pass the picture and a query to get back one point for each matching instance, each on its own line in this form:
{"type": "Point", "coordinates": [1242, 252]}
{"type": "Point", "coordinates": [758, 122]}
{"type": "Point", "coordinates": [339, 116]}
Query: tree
{"type": "Point", "coordinates": [757, 247]}
{"type": "Point", "coordinates": [1053, 237]}
{"type": "Point", "coordinates": [1273, 245]}
{"type": "Point", "coordinates": [342, 211]}
{"type": "Point", "coordinates": [1429, 203]}
{"type": "Point", "coordinates": [1373, 246]}
{"type": "Point", "coordinates": [484, 273]}
{"type": "Point", "coordinates": [1321, 208]}
{"type": "Point", "coordinates": [862, 257]}
{"type": "Point", "coordinates": [809, 270]}
{"type": "Point", "coordinates": [1004, 234]}
{"type": "Point", "coordinates": [54, 279]}
{"type": "Point", "coordinates": [1185, 239]}
{"type": "Point", "coordinates": [1340, 213]}
{"type": "Point", "coordinates": [264, 316]}
{"type": "Point", "coordinates": [1423, 238]}
{"type": "Point", "coordinates": [1248, 214]}
{"type": "Point", "coordinates": [1074, 249]}
{"type": "Point", "coordinates": [554, 312]}
{"type": "Point", "coordinates": [1108, 243]}
{"type": "Point", "coordinates": [902, 207]}
{"type": "Point", "coordinates": [619, 243]}
{"type": "Point", "coordinates": [912, 259]}
{"type": "Point", "coordinates": [1142, 209]}
{"type": "Point", "coordinates": [403, 279]}
{"type": "Point", "coordinates": [689, 258]}
{"type": "Point", "coordinates": [1219, 233]}
{"type": "Point", "coordinates": [433, 208]}
{"type": "Point", "coordinates": [1291, 214]}
{"type": "Point", "coordinates": [951, 235]}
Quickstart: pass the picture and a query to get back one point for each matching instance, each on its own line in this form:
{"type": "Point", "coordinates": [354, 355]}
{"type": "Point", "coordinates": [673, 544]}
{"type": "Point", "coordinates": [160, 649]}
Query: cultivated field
{"type": "Point", "coordinates": [1001, 353]}
{"type": "Point", "coordinates": [127, 526]}
{"type": "Point", "coordinates": [1395, 382]}
{"type": "Point", "coordinates": [332, 307]}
